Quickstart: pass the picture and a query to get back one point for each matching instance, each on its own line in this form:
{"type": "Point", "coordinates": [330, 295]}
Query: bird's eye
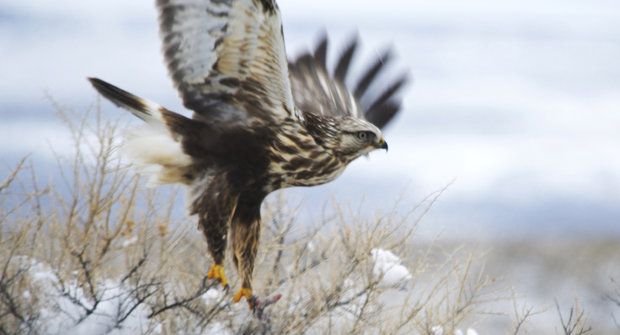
{"type": "Point", "coordinates": [365, 135]}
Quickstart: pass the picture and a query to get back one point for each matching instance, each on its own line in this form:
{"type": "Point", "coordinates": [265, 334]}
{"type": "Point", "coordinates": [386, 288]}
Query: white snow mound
{"type": "Point", "coordinates": [388, 267]}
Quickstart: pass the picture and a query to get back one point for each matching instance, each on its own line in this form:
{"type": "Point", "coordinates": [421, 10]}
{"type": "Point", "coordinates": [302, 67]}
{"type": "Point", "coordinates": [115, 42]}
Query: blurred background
{"type": "Point", "coordinates": [514, 105]}
{"type": "Point", "coordinates": [516, 102]}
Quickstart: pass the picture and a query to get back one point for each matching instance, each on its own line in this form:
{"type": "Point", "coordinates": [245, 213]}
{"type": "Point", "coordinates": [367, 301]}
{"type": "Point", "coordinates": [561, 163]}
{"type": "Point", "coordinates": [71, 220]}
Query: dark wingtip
{"type": "Point", "coordinates": [345, 59]}
{"type": "Point", "coordinates": [384, 108]}
{"type": "Point", "coordinates": [320, 52]}
{"type": "Point", "coordinates": [371, 73]}
{"type": "Point", "coordinates": [382, 115]}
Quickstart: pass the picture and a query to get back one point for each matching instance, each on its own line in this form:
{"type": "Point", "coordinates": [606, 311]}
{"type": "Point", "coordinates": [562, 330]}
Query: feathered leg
{"type": "Point", "coordinates": [245, 236]}
{"type": "Point", "coordinates": [215, 208]}
{"type": "Point", "coordinates": [216, 235]}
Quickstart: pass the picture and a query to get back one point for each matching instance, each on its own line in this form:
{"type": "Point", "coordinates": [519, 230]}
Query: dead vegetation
{"type": "Point", "coordinates": [96, 252]}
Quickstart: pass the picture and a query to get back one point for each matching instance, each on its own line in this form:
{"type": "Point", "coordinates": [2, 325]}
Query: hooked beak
{"type": "Point", "coordinates": [382, 144]}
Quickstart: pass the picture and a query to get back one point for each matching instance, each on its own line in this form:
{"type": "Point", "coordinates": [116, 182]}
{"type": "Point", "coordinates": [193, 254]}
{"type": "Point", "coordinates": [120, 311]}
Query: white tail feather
{"type": "Point", "coordinates": [156, 154]}
{"type": "Point", "coordinates": [152, 148]}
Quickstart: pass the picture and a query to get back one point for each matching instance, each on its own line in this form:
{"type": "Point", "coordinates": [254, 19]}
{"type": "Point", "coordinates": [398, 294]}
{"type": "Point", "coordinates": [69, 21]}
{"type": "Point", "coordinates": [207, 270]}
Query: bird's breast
{"type": "Point", "coordinates": [297, 160]}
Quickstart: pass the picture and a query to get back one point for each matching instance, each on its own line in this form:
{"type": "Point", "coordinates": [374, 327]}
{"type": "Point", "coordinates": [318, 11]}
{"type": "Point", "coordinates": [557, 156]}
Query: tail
{"type": "Point", "coordinates": [157, 148]}
{"type": "Point", "coordinates": [147, 111]}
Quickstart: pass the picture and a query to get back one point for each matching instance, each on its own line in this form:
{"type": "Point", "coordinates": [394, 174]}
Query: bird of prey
{"type": "Point", "coordinates": [260, 122]}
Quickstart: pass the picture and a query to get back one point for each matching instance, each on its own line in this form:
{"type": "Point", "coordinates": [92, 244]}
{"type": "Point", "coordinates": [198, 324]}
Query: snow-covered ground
{"type": "Point", "coordinates": [540, 276]}
{"type": "Point", "coordinates": [65, 308]}
{"type": "Point", "coordinates": [69, 314]}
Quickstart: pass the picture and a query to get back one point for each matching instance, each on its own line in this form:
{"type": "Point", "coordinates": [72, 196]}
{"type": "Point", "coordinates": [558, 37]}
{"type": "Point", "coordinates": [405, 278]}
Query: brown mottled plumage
{"type": "Point", "coordinates": [260, 123]}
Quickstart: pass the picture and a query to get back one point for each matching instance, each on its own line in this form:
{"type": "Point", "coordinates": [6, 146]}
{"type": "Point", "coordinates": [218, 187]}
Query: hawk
{"type": "Point", "coordinates": [260, 122]}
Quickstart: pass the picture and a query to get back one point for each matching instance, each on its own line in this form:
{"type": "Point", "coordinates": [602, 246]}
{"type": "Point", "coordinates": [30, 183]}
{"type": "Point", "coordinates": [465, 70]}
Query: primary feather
{"type": "Point", "coordinates": [317, 91]}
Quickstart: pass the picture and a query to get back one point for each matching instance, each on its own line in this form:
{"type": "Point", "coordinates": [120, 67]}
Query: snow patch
{"type": "Point", "coordinates": [130, 241]}
{"type": "Point", "coordinates": [389, 269]}
{"type": "Point", "coordinates": [212, 296]}
{"type": "Point", "coordinates": [66, 310]}
{"type": "Point", "coordinates": [438, 330]}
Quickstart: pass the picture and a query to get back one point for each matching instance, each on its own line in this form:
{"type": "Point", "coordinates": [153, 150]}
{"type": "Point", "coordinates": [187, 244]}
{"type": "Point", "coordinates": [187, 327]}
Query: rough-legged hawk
{"type": "Point", "coordinates": [260, 122]}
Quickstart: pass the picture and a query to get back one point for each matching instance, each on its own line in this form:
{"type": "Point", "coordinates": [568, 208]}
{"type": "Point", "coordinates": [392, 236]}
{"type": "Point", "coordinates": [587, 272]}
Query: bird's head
{"type": "Point", "coordinates": [359, 137]}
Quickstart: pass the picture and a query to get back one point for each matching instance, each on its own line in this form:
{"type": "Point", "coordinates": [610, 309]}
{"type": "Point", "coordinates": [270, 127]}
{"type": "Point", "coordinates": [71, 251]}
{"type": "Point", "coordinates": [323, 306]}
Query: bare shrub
{"type": "Point", "coordinates": [614, 298]}
{"type": "Point", "coordinates": [575, 321]}
{"type": "Point", "coordinates": [96, 252]}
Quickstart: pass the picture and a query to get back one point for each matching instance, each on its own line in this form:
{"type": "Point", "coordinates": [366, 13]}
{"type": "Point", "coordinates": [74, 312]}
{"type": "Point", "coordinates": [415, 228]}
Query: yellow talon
{"type": "Point", "coordinates": [243, 292]}
{"type": "Point", "coordinates": [217, 272]}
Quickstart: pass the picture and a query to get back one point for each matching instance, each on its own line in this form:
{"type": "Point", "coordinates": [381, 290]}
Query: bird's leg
{"type": "Point", "coordinates": [245, 244]}
{"type": "Point", "coordinates": [244, 292]}
{"type": "Point", "coordinates": [216, 235]}
{"type": "Point", "coordinates": [217, 272]}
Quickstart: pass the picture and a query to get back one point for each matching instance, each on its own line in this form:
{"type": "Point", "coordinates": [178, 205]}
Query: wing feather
{"type": "Point", "coordinates": [388, 93]}
{"type": "Point", "coordinates": [342, 68]}
{"type": "Point", "coordinates": [371, 74]}
{"type": "Point", "coordinates": [316, 91]}
{"type": "Point", "coordinates": [320, 53]}
{"type": "Point", "coordinates": [227, 51]}
{"type": "Point", "coordinates": [383, 114]}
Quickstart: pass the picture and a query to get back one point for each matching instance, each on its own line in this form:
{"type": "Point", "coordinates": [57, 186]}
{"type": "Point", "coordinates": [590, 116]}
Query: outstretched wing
{"type": "Point", "coordinates": [227, 51]}
{"type": "Point", "coordinates": [316, 90]}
